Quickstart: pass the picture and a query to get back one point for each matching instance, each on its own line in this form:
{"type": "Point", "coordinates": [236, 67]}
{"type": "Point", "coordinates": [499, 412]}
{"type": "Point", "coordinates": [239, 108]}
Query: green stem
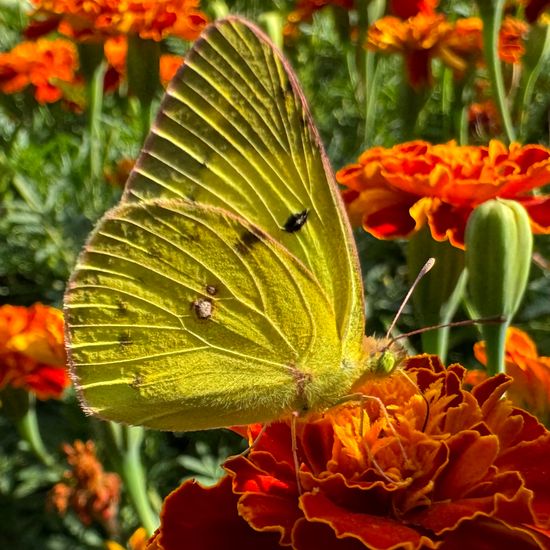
{"type": "Point", "coordinates": [436, 342]}
{"type": "Point", "coordinates": [491, 13]}
{"type": "Point", "coordinates": [95, 108]}
{"type": "Point", "coordinates": [124, 446]}
{"type": "Point", "coordinates": [532, 73]}
{"type": "Point", "coordinates": [28, 428]}
{"type": "Point", "coordinates": [366, 66]}
{"type": "Point", "coordinates": [495, 342]}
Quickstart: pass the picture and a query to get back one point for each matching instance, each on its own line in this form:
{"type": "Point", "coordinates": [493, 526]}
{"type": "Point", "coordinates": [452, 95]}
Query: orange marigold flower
{"type": "Point", "coordinates": [32, 353]}
{"type": "Point", "coordinates": [428, 35]}
{"type": "Point", "coordinates": [409, 8]}
{"type": "Point", "coordinates": [90, 492]}
{"type": "Point", "coordinates": [394, 192]}
{"type": "Point", "coordinates": [169, 65]}
{"type": "Point", "coordinates": [472, 470]}
{"type": "Point", "coordinates": [151, 19]}
{"type": "Point", "coordinates": [511, 45]}
{"type": "Point", "coordinates": [531, 373]}
{"type": "Point", "coordinates": [42, 64]}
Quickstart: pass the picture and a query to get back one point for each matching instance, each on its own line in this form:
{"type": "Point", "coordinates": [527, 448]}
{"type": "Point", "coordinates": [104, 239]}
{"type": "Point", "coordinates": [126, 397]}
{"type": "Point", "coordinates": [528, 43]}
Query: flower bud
{"type": "Point", "coordinates": [499, 244]}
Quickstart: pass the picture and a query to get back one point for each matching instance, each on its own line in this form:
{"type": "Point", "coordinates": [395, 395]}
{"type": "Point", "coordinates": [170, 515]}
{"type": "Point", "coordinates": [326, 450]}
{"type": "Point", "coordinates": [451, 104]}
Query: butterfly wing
{"type": "Point", "coordinates": [234, 131]}
{"type": "Point", "coordinates": [183, 316]}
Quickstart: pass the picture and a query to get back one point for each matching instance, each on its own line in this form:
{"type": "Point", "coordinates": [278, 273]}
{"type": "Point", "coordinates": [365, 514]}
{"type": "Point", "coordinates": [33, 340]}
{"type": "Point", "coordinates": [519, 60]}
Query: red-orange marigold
{"type": "Point", "coordinates": [530, 371]}
{"type": "Point", "coordinates": [91, 492]}
{"type": "Point", "coordinates": [394, 192]}
{"type": "Point", "coordinates": [457, 470]}
{"type": "Point", "coordinates": [429, 35]}
{"type": "Point", "coordinates": [41, 64]}
{"type": "Point", "coordinates": [89, 19]}
{"type": "Point", "coordinates": [409, 8]}
{"type": "Point", "coordinates": [32, 353]}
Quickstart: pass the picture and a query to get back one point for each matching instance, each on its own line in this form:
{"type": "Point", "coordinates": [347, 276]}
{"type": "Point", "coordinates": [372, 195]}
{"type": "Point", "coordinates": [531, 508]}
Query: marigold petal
{"type": "Point", "coordinates": [487, 534]}
{"type": "Point", "coordinates": [374, 531]}
{"type": "Point", "coordinates": [190, 512]}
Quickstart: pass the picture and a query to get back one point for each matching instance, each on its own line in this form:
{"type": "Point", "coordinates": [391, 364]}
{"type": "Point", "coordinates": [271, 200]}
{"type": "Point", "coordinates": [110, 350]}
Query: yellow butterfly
{"type": "Point", "coordinates": [225, 288]}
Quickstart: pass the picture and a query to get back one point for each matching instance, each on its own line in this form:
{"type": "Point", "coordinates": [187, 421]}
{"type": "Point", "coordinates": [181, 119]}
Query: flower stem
{"type": "Point", "coordinates": [538, 51]}
{"type": "Point", "coordinates": [124, 446]}
{"type": "Point", "coordinates": [436, 342]}
{"type": "Point", "coordinates": [495, 342]}
{"type": "Point", "coordinates": [367, 67]}
{"type": "Point", "coordinates": [28, 428]}
{"type": "Point", "coordinates": [491, 13]}
{"type": "Point", "coordinates": [95, 94]}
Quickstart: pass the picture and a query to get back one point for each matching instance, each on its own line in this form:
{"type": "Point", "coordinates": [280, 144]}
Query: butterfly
{"type": "Point", "coordinates": [225, 288]}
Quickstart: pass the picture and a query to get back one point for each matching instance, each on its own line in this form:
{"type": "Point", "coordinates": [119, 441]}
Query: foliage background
{"type": "Point", "coordinates": [48, 206]}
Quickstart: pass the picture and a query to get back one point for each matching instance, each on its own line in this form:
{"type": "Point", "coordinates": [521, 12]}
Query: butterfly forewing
{"type": "Point", "coordinates": [234, 131]}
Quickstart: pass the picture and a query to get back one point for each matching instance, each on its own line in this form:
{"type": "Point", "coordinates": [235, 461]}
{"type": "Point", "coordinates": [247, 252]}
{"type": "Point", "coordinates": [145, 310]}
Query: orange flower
{"type": "Point", "coordinates": [91, 493]}
{"type": "Point", "coordinates": [511, 40]}
{"type": "Point", "coordinates": [531, 373]}
{"type": "Point", "coordinates": [32, 353]}
{"type": "Point", "coordinates": [304, 9]}
{"type": "Point", "coordinates": [429, 35]}
{"type": "Point", "coordinates": [394, 192]}
{"type": "Point", "coordinates": [409, 8]}
{"type": "Point", "coordinates": [472, 469]}
{"type": "Point", "coordinates": [42, 64]}
{"type": "Point", "coordinates": [169, 65]}
{"type": "Point", "coordinates": [418, 38]}
{"type": "Point", "coordinates": [92, 19]}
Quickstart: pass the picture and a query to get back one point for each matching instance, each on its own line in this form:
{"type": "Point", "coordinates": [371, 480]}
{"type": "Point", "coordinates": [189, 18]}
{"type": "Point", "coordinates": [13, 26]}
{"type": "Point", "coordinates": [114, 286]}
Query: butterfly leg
{"type": "Point", "coordinates": [294, 443]}
{"type": "Point", "coordinates": [254, 442]}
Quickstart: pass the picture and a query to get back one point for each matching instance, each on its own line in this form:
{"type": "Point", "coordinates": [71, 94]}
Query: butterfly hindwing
{"type": "Point", "coordinates": [183, 316]}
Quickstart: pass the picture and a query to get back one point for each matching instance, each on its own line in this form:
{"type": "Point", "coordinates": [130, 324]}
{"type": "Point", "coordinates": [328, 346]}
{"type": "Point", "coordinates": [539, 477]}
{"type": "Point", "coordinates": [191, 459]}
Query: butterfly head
{"type": "Point", "coordinates": [381, 357]}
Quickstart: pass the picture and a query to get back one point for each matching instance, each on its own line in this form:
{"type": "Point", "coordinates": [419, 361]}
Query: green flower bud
{"type": "Point", "coordinates": [499, 244]}
{"type": "Point", "coordinates": [439, 293]}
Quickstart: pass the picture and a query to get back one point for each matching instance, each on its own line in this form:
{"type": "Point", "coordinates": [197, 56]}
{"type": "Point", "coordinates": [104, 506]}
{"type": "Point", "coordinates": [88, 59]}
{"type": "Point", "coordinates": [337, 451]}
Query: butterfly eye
{"type": "Point", "coordinates": [386, 363]}
{"type": "Point", "coordinates": [296, 221]}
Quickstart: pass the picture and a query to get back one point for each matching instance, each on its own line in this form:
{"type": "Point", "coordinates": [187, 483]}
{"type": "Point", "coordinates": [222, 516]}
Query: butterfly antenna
{"type": "Point", "coordinates": [467, 322]}
{"type": "Point", "coordinates": [427, 266]}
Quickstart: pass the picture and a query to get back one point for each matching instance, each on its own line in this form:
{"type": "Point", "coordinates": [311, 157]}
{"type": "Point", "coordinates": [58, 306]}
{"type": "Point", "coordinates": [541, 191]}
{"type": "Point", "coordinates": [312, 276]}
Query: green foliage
{"type": "Point", "coordinates": [50, 199]}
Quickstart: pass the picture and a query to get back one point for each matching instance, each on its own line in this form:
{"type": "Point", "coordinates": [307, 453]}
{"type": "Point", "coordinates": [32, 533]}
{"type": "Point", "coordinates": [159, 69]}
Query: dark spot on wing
{"type": "Point", "coordinates": [211, 289]}
{"type": "Point", "coordinates": [122, 307]}
{"type": "Point", "coordinates": [203, 308]}
{"type": "Point", "coordinates": [124, 339]}
{"type": "Point", "coordinates": [295, 222]}
{"type": "Point", "coordinates": [137, 381]}
{"type": "Point", "coordinates": [247, 241]}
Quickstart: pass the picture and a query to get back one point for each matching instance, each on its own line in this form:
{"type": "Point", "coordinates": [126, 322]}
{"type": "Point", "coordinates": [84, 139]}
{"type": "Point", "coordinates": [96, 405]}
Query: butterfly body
{"type": "Point", "coordinates": [228, 317]}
